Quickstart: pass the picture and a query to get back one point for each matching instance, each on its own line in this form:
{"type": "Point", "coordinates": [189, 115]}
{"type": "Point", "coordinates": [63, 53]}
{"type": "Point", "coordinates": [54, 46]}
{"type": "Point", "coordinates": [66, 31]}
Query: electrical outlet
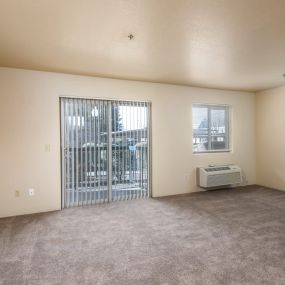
{"type": "Point", "coordinates": [17, 193]}
{"type": "Point", "coordinates": [31, 192]}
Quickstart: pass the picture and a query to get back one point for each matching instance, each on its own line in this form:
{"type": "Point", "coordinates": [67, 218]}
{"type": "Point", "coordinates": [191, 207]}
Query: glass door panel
{"type": "Point", "coordinates": [130, 150]}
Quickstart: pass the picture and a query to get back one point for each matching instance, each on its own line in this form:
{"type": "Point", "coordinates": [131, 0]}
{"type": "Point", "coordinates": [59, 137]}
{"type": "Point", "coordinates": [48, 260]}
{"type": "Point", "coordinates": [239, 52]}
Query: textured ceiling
{"type": "Point", "coordinates": [230, 44]}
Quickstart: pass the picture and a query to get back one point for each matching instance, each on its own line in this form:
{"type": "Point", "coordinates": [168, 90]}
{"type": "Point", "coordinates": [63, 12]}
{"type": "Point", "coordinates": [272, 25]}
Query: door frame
{"type": "Point", "coordinates": [61, 136]}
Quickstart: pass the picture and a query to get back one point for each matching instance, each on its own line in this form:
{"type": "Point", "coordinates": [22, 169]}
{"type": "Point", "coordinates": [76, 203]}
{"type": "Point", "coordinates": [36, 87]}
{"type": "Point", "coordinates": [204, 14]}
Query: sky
{"type": "Point", "coordinates": [133, 117]}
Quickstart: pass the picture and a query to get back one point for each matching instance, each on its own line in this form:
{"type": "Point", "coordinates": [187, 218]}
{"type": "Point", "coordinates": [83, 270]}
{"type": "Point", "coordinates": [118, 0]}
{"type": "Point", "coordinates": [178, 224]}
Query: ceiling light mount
{"type": "Point", "coordinates": [131, 37]}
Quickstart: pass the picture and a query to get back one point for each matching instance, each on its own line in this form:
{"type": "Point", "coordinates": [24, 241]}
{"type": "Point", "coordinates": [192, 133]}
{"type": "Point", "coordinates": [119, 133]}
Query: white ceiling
{"type": "Point", "coordinates": [230, 44]}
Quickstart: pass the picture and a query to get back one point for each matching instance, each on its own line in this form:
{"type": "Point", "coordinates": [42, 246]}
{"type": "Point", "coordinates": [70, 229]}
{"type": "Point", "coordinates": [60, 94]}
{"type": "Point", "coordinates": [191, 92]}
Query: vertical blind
{"type": "Point", "coordinates": [105, 151]}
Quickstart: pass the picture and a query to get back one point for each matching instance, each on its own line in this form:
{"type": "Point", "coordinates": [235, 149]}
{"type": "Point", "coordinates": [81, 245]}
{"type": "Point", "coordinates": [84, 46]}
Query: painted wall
{"type": "Point", "coordinates": [29, 120]}
{"type": "Point", "coordinates": [270, 138]}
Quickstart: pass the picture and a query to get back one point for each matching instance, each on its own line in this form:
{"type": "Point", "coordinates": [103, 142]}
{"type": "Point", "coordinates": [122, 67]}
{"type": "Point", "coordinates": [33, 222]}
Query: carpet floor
{"type": "Point", "coordinates": [215, 237]}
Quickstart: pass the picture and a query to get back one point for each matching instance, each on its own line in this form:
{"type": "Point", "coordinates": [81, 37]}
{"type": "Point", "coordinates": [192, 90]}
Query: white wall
{"type": "Point", "coordinates": [270, 138]}
{"type": "Point", "coordinates": [29, 119]}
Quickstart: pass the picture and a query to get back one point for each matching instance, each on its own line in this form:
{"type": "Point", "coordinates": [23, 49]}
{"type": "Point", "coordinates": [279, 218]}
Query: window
{"type": "Point", "coordinates": [210, 128]}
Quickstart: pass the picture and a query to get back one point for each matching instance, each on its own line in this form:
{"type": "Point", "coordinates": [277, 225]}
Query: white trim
{"type": "Point", "coordinates": [105, 99]}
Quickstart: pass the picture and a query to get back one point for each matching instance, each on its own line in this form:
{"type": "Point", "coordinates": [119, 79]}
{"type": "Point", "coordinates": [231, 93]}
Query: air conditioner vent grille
{"type": "Point", "coordinates": [221, 180]}
{"type": "Point", "coordinates": [222, 168]}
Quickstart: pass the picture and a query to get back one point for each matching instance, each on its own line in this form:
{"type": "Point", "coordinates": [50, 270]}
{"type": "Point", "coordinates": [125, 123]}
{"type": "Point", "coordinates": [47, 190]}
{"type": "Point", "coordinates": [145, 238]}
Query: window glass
{"type": "Point", "coordinates": [210, 128]}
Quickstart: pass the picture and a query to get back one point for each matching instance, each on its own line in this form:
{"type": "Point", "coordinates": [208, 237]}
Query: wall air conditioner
{"type": "Point", "coordinates": [219, 176]}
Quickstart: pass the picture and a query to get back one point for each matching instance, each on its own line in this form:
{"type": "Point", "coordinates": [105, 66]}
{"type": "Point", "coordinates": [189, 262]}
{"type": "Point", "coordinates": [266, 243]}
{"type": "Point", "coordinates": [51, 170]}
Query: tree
{"type": "Point", "coordinates": [116, 119]}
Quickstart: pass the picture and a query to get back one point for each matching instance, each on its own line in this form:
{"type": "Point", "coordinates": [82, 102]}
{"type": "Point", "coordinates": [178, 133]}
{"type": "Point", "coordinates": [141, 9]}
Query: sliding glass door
{"type": "Point", "coordinates": [105, 151]}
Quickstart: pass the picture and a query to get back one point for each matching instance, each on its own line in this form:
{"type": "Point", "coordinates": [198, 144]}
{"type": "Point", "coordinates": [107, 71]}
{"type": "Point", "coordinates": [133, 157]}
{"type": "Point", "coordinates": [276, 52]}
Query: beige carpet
{"type": "Point", "coordinates": [218, 237]}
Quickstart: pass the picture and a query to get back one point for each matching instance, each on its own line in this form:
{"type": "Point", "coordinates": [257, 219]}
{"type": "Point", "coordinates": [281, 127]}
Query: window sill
{"type": "Point", "coordinates": [212, 151]}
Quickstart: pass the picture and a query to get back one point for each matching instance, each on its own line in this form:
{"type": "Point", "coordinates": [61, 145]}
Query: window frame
{"type": "Point", "coordinates": [211, 107]}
